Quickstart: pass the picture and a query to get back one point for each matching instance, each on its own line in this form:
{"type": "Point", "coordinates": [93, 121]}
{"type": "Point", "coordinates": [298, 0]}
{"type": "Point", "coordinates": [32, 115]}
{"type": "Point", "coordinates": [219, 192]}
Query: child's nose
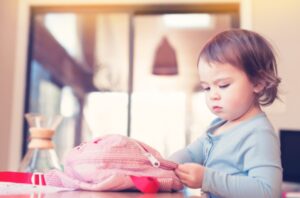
{"type": "Point", "coordinates": [214, 94]}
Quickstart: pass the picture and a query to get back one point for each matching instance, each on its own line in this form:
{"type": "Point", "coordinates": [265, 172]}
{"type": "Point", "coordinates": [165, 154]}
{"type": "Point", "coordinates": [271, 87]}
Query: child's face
{"type": "Point", "coordinates": [229, 93]}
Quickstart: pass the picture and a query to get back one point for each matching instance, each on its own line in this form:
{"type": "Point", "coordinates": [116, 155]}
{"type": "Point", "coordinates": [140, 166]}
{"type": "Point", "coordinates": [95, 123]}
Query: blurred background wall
{"type": "Point", "coordinates": [8, 34]}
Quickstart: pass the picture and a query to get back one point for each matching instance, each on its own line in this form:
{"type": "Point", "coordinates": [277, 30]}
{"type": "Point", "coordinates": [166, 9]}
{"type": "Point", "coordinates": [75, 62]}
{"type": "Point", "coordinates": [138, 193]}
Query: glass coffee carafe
{"type": "Point", "coordinates": [41, 155]}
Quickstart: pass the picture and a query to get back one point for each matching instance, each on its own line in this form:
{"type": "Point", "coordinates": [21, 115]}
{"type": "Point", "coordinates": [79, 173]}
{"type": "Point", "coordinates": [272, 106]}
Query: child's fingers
{"type": "Point", "coordinates": [182, 178]}
{"type": "Point", "coordinates": [182, 174]}
{"type": "Point", "coordinates": [190, 174]}
{"type": "Point", "coordinates": [183, 168]}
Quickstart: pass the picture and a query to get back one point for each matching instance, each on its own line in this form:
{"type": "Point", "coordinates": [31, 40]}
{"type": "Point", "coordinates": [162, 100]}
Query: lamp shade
{"type": "Point", "coordinates": [165, 62]}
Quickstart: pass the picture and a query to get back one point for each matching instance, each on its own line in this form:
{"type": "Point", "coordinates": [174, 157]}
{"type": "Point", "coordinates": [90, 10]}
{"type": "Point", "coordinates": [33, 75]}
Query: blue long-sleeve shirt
{"type": "Point", "coordinates": [241, 162]}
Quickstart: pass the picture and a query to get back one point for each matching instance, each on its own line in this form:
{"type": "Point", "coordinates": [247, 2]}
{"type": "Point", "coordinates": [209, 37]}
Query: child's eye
{"type": "Point", "coordinates": [224, 86]}
{"type": "Point", "coordinates": [206, 88]}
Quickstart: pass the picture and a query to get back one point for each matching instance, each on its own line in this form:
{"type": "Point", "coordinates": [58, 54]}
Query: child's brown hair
{"type": "Point", "coordinates": [250, 52]}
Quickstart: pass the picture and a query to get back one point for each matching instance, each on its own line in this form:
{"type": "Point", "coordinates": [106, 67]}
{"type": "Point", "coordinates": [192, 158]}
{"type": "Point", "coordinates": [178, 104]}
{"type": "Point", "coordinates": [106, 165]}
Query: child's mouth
{"type": "Point", "coordinates": [217, 108]}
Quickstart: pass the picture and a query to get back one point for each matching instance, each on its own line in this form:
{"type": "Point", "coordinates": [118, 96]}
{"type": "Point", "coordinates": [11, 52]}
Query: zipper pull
{"type": "Point", "coordinates": [155, 163]}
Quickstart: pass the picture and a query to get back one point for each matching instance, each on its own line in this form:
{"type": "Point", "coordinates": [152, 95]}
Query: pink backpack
{"type": "Point", "coordinates": [114, 163]}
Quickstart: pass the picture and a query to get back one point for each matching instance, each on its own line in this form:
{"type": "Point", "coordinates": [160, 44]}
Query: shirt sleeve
{"type": "Point", "coordinates": [192, 153]}
{"type": "Point", "coordinates": [261, 161]}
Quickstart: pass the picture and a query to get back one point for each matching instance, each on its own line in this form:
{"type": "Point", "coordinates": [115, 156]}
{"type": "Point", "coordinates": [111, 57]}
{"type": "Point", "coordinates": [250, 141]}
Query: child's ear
{"type": "Point", "coordinates": [258, 87]}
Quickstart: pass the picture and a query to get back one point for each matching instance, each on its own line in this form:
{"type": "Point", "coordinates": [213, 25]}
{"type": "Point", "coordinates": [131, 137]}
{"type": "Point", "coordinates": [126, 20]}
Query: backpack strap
{"type": "Point", "coordinates": [145, 184]}
{"type": "Point", "coordinates": [24, 178]}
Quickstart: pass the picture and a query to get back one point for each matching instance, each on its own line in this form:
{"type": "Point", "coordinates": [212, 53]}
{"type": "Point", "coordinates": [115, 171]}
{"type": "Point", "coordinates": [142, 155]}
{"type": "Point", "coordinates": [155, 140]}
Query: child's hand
{"type": "Point", "coordinates": [190, 174]}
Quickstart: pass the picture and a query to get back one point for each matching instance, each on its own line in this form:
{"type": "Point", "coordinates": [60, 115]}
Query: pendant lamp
{"type": "Point", "coordinates": [165, 62]}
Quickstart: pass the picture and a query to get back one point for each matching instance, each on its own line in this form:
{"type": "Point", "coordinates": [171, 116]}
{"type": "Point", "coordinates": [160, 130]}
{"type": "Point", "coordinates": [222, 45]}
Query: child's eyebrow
{"type": "Point", "coordinates": [202, 82]}
{"type": "Point", "coordinates": [221, 80]}
{"type": "Point", "coordinates": [216, 81]}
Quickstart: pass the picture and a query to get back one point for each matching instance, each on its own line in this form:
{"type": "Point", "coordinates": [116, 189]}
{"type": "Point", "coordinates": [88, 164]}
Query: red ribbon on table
{"type": "Point", "coordinates": [145, 184]}
{"type": "Point", "coordinates": [23, 178]}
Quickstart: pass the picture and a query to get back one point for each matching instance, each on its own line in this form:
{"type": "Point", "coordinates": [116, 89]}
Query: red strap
{"type": "Point", "coordinates": [283, 195]}
{"type": "Point", "coordinates": [24, 178]}
{"type": "Point", "coordinates": [145, 184]}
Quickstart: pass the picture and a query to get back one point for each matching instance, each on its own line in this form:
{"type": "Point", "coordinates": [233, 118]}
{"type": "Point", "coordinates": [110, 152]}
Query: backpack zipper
{"type": "Point", "coordinates": [155, 162]}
